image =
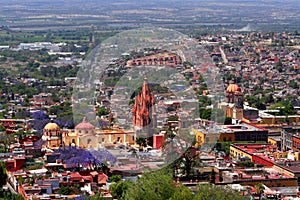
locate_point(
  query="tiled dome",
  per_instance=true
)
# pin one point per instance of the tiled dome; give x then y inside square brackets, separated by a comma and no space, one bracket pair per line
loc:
[84,125]
[233,87]
[51,127]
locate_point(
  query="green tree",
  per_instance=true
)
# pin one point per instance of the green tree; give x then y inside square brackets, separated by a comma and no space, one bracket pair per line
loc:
[188,159]
[115,178]
[204,101]
[65,190]
[142,141]
[246,164]
[256,102]
[288,109]
[2,128]
[118,189]
[102,111]
[173,118]
[5,195]
[131,102]
[224,146]
[259,189]
[269,98]
[182,193]
[284,107]
[3,175]
[157,185]
[228,120]
[205,113]
[208,192]
[97,196]
[279,66]
[293,84]
[21,180]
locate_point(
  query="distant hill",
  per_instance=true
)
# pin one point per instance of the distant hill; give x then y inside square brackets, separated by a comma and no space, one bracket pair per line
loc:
[234,14]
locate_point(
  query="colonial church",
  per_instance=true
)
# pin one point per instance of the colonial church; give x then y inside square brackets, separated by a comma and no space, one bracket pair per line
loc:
[144,113]
[234,104]
[85,135]
[52,135]
[143,110]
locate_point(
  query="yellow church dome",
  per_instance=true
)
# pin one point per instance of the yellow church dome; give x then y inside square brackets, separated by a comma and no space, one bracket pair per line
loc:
[233,87]
[51,126]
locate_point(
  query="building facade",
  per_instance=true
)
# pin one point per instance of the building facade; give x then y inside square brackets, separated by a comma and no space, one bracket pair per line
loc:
[232,133]
[234,99]
[143,108]
[287,134]
[87,136]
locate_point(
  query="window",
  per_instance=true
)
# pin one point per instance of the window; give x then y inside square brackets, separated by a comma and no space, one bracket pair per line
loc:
[43,191]
[207,139]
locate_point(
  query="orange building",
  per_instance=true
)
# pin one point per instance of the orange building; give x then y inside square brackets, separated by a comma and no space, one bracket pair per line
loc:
[296,142]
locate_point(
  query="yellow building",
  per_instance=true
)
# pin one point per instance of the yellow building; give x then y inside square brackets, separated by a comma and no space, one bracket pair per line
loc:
[203,137]
[236,151]
[87,136]
[231,133]
[272,119]
[275,140]
[280,182]
[117,136]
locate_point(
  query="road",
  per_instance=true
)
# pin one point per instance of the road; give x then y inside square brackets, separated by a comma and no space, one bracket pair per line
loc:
[223,56]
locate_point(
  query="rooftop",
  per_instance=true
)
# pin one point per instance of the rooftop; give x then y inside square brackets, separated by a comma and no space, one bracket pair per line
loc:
[255,174]
[256,148]
[292,166]
[240,127]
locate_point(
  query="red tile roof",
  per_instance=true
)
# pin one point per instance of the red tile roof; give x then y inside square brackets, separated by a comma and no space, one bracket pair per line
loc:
[102,178]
